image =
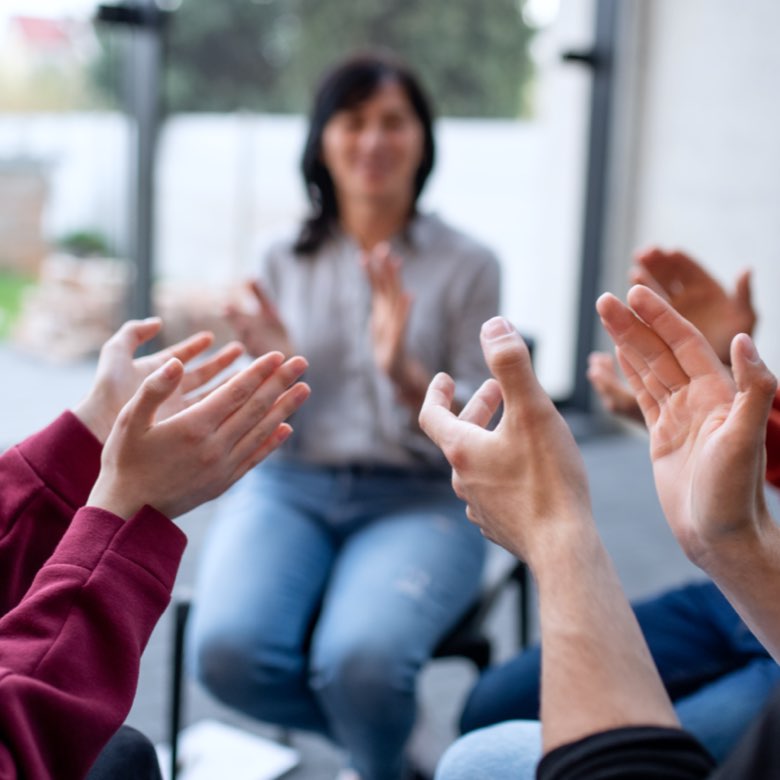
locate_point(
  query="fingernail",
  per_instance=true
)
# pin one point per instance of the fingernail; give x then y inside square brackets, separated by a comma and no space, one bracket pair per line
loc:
[496,327]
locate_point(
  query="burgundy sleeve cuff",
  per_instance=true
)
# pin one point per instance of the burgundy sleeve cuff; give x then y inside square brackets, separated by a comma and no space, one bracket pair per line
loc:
[148,539]
[66,456]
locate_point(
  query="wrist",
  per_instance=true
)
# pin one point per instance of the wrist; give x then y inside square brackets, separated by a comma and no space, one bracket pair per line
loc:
[561,542]
[107,494]
[739,551]
[96,414]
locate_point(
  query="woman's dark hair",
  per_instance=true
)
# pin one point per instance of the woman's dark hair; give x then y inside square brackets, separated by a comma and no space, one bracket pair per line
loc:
[347,85]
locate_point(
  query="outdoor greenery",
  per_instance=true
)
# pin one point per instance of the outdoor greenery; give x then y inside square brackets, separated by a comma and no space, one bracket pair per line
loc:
[86,243]
[266,55]
[12,287]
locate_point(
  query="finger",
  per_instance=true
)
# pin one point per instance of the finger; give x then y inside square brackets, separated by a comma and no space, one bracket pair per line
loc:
[756,387]
[276,439]
[231,396]
[640,275]
[251,426]
[436,418]
[742,293]
[508,359]
[206,371]
[140,411]
[483,404]
[133,333]
[647,403]
[674,269]
[188,348]
[691,350]
[641,345]
[267,305]
[265,396]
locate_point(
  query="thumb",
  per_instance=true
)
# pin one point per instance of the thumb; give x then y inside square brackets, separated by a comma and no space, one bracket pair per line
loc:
[508,359]
[756,386]
[155,389]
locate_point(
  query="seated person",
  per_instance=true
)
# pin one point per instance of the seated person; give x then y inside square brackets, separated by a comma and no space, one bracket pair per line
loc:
[605,711]
[716,672]
[88,552]
[355,518]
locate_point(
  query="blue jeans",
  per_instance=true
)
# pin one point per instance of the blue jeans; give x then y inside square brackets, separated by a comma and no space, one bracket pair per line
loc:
[507,751]
[322,592]
[716,672]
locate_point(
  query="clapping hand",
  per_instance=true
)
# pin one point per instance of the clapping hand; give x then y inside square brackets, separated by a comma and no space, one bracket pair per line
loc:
[257,323]
[119,374]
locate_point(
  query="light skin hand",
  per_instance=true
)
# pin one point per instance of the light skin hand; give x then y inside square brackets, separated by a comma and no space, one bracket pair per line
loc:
[706,427]
[256,322]
[524,479]
[707,434]
[119,375]
[698,296]
[390,307]
[181,462]
[526,488]
[615,395]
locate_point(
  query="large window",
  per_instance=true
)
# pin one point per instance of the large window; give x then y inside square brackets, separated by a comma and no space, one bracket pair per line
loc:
[236,87]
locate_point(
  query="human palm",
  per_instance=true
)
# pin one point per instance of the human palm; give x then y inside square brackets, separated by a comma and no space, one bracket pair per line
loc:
[390,307]
[706,428]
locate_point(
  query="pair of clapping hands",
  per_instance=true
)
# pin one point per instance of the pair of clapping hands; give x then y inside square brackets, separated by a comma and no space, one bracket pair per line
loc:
[257,323]
[170,442]
[525,482]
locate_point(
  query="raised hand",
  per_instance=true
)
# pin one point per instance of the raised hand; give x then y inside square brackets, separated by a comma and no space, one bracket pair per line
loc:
[178,463]
[524,480]
[698,296]
[615,395]
[119,375]
[706,428]
[390,307]
[257,324]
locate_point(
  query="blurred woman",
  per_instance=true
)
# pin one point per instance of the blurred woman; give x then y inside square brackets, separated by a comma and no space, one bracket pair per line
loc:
[332,572]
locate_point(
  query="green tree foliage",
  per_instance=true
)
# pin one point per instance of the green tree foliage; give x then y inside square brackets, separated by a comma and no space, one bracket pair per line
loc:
[266,55]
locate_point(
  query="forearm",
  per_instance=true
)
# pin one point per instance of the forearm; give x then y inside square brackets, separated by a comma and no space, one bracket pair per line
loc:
[70,651]
[597,673]
[45,479]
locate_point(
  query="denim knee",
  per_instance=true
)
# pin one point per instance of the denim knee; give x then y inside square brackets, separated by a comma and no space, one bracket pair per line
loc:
[508,751]
[369,681]
[242,674]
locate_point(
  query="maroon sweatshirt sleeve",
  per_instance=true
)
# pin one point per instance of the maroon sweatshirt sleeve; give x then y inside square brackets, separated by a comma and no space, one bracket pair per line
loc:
[70,651]
[43,481]
[773,443]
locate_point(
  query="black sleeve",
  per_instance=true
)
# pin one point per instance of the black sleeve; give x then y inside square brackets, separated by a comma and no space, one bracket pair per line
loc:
[757,754]
[639,753]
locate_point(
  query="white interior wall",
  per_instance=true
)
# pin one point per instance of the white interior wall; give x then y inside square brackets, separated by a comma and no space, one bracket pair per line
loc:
[696,160]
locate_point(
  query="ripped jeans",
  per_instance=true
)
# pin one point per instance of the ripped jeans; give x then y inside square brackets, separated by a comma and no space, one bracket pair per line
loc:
[321,594]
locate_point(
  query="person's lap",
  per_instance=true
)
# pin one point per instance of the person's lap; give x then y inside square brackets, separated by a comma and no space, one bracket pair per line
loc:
[383,592]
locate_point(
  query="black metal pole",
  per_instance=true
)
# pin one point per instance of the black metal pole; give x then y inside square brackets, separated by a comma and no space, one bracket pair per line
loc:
[601,59]
[143,60]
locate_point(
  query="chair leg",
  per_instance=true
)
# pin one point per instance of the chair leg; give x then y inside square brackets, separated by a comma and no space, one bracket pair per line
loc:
[181,612]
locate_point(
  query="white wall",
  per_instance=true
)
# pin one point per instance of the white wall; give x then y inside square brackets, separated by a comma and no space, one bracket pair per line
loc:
[701,104]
